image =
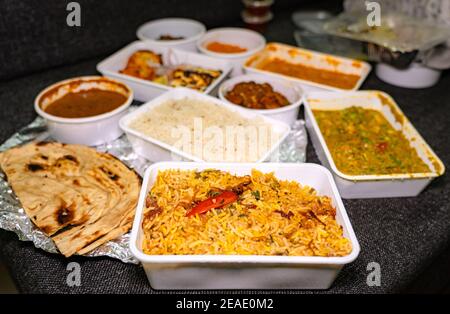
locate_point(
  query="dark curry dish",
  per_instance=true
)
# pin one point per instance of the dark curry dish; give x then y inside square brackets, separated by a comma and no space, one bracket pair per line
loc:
[256,96]
[85,103]
[147,65]
[362,142]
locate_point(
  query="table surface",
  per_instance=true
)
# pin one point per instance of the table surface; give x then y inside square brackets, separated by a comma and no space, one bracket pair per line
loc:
[403,235]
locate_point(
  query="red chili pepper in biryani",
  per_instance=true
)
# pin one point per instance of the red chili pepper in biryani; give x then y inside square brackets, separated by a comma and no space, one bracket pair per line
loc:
[218,201]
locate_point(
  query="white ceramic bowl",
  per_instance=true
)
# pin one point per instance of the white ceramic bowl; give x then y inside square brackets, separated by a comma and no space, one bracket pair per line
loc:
[241,37]
[93,130]
[191,30]
[245,271]
[291,91]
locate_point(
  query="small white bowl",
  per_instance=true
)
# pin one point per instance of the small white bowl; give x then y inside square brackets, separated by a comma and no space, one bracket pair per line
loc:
[191,30]
[241,37]
[90,131]
[292,92]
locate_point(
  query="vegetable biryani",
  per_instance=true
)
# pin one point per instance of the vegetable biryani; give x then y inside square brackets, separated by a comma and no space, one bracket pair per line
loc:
[214,212]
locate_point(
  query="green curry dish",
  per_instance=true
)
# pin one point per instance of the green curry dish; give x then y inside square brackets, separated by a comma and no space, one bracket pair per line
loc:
[362,142]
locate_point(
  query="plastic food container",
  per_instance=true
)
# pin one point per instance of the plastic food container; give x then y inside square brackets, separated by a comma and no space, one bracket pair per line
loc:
[292,92]
[241,37]
[372,186]
[245,271]
[145,90]
[156,150]
[307,58]
[190,30]
[415,75]
[93,130]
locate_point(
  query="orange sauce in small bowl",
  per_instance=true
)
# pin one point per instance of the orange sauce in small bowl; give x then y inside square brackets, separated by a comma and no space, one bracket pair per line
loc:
[217,46]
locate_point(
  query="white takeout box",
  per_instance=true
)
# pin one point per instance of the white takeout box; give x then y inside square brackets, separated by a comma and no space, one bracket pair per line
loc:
[156,150]
[145,90]
[371,186]
[308,58]
[245,271]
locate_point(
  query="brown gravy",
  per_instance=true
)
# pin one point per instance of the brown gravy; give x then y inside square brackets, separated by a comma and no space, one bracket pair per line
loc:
[86,103]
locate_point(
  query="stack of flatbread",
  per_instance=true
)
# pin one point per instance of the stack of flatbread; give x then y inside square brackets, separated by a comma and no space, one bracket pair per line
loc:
[79,197]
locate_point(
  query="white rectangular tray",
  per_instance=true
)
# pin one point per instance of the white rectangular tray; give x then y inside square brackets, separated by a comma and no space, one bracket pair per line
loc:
[245,271]
[308,58]
[371,186]
[145,90]
[155,150]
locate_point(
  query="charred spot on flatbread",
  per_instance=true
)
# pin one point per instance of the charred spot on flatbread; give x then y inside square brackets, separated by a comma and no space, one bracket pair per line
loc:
[43,143]
[33,167]
[110,174]
[64,215]
[71,158]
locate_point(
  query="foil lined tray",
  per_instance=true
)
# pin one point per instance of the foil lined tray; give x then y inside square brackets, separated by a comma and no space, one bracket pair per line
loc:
[13,217]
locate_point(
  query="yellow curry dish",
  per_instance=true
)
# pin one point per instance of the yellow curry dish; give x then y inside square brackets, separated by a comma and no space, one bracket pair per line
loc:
[362,142]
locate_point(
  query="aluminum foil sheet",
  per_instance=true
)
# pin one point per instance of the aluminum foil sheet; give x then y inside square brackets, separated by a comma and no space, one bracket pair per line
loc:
[13,217]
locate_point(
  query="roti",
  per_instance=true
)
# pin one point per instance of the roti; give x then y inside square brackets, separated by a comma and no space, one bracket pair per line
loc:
[79,197]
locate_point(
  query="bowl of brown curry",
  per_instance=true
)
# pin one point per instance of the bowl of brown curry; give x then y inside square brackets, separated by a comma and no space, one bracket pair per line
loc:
[84,110]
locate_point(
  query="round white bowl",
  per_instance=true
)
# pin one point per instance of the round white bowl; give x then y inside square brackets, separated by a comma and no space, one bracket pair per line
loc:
[293,93]
[90,131]
[191,30]
[241,37]
[414,76]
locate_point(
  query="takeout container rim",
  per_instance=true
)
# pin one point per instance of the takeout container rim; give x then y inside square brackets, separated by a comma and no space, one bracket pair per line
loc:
[226,68]
[365,65]
[241,259]
[99,117]
[230,83]
[244,54]
[371,177]
[175,42]
[192,93]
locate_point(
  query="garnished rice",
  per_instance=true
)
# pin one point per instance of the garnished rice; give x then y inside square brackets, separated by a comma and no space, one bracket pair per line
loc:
[270,217]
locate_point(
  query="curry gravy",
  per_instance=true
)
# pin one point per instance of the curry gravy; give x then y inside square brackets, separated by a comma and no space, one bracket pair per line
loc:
[86,103]
[321,76]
